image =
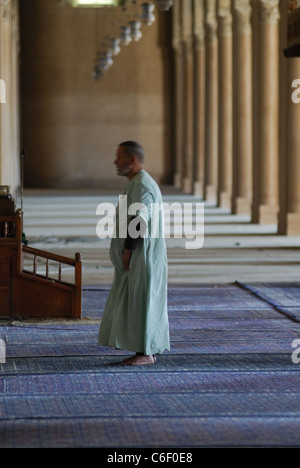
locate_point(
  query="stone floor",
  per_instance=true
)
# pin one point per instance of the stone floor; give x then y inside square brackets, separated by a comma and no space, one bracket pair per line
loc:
[234,249]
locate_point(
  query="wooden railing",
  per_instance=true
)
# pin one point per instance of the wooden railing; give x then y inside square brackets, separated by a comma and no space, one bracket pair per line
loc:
[35,293]
[60,260]
[10,227]
[59,288]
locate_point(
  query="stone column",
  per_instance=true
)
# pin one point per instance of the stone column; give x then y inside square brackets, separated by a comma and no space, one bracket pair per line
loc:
[225,104]
[188,97]
[293,161]
[15,104]
[289,219]
[9,120]
[242,108]
[178,68]
[6,109]
[2,105]
[289,214]
[211,103]
[266,131]
[199,98]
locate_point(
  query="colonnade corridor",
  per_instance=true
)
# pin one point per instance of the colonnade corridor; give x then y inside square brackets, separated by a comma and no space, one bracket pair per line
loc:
[234,249]
[231,376]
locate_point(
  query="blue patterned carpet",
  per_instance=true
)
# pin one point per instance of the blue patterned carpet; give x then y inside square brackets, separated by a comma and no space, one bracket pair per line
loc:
[228,381]
[285,297]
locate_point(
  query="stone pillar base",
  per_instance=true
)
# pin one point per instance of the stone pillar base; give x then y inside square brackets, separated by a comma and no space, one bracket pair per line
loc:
[187,185]
[224,200]
[177,181]
[266,214]
[198,189]
[293,224]
[241,206]
[211,194]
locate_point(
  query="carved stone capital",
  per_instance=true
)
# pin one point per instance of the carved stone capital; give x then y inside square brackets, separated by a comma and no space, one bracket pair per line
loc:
[199,40]
[269,11]
[293,5]
[8,7]
[187,46]
[10,17]
[211,23]
[242,13]
[225,21]
[211,26]
[199,23]
[177,45]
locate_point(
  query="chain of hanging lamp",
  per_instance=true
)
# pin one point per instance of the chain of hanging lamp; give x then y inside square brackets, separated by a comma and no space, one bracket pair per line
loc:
[121,26]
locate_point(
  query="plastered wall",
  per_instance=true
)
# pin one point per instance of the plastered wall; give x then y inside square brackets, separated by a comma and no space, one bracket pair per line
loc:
[70,124]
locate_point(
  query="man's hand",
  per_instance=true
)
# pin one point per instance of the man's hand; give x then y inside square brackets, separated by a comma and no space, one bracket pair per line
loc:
[126,259]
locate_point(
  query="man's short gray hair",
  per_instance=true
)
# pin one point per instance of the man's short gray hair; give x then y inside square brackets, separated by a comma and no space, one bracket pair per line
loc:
[132,148]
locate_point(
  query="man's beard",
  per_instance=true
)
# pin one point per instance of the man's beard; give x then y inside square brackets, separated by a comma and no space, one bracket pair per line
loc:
[124,172]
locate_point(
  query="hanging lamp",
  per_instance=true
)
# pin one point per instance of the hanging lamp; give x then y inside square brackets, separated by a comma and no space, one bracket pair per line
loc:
[105,60]
[147,16]
[125,37]
[135,32]
[97,73]
[115,46]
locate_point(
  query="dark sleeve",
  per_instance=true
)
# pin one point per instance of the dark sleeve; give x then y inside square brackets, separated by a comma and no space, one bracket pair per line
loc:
[131,243]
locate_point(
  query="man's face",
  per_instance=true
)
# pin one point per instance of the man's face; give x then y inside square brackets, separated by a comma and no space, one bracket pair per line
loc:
[122,162]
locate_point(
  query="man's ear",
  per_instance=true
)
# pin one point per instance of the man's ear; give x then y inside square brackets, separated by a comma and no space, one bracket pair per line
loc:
[132,160]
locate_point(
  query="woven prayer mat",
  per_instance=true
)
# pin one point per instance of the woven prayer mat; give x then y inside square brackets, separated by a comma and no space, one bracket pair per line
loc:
[283,296]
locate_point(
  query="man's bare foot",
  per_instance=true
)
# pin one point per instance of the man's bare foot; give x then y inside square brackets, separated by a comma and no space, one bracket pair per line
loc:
[139,360]
[130,357]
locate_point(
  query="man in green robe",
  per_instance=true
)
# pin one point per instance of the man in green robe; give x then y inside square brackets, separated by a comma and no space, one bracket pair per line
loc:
[136,317]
